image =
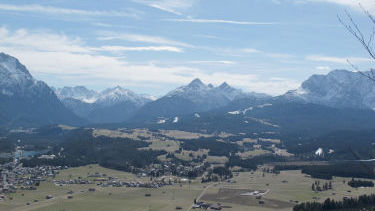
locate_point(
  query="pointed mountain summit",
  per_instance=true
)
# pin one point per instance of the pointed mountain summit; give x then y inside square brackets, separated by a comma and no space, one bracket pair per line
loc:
[27,102]
[13,73]
[196,83]
[225,85]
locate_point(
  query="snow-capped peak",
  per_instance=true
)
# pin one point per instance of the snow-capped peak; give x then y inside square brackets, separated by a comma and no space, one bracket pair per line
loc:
[225,86]
[107,97]
[339,88]
[12,72]
[196,83]
[118,95]
[193,90]
[77,92]
[197,89]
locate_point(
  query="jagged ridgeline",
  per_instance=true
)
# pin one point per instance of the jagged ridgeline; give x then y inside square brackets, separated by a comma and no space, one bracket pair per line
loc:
[341,100]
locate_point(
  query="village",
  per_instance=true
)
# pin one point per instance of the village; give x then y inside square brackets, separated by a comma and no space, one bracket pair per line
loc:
[15,177]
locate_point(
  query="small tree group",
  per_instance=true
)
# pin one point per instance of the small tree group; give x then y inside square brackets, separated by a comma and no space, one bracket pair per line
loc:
[317,188]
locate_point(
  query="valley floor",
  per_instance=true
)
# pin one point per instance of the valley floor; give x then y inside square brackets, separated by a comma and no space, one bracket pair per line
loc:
[279,192]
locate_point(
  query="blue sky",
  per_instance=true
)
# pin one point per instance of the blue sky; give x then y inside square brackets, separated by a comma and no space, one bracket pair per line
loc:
[152,47]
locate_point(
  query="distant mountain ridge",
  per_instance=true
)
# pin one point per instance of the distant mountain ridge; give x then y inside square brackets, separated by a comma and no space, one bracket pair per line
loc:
[111,105]
[194,97]
[339,100]
[26,101]
[78,92]
[338,89]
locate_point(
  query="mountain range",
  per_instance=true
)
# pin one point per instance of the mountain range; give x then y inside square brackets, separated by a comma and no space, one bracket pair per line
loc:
[340,99]
[111,105]
[192,98]
[338,89]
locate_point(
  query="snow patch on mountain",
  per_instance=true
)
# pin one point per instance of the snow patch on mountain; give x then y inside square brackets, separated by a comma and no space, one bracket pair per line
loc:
[175,120]
[78,92]
[162,121]
[244,111]
[319,152]
[13,74]
[118,94]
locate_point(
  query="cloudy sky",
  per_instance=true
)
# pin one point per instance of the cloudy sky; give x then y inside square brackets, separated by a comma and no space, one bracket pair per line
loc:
[153,46]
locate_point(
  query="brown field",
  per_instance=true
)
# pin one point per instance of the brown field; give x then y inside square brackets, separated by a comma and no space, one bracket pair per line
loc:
[253,153]
[234,196]
[178,134]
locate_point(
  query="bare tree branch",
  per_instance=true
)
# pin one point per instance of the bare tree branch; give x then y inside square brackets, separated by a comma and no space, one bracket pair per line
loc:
[368,43]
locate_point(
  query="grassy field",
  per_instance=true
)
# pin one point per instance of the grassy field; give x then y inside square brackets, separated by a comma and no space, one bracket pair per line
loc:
[167,145]
[178,134]
[281,192]
[288,187]
[103,199]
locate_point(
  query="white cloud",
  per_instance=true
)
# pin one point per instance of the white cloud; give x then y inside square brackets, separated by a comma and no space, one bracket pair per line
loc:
[279,55]
[250,50]
[171,6]
[367,4]
[35,8]
[49,42]
[142,38]
[323,68]
[40,41]
[192,20]
[338,60]
[213,62]
[61,60]
[208,36]
[139,48]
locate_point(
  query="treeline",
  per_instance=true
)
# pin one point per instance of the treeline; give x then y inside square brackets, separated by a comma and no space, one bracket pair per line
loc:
[360,183]
[216,148]
[364,201]
[217,174]
[338,169]
[212,122]
[252,163]
[117,153]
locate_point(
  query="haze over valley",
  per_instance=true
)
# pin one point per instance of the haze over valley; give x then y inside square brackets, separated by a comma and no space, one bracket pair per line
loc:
[187,104]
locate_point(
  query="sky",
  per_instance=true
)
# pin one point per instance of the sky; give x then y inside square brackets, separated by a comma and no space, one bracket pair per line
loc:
[154,46]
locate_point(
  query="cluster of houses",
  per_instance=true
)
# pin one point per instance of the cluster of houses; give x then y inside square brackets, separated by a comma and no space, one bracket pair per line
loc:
[170,168]
[152,184]
[107,181]
[14,176]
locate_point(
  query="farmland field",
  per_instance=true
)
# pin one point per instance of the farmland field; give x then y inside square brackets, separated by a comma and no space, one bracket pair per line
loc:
[277,191]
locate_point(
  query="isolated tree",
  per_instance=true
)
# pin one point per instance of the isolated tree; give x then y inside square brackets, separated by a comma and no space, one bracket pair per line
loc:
[367,41]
